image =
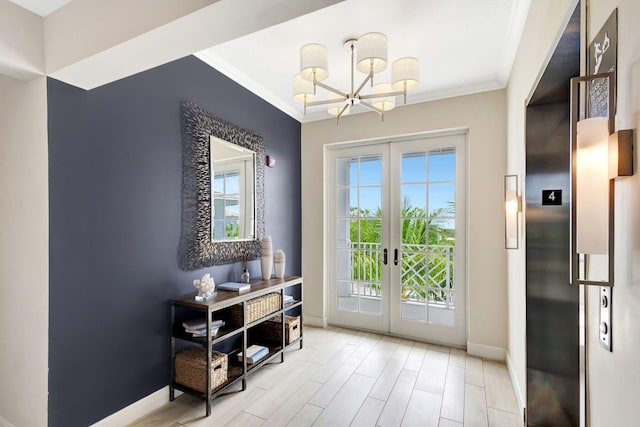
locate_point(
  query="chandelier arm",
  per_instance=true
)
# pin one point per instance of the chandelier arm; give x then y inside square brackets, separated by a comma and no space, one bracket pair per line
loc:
[382,95]
[332,89]
[342,111]
[369,77]
[352,65]
[371,107]
[324,102]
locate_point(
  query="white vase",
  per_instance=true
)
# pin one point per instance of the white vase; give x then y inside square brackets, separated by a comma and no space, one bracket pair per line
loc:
[279,263]
[266,258]
[267,265]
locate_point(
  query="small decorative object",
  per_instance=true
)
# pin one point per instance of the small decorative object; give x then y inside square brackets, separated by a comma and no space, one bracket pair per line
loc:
[245,277]
[279,261]
[267,258]
[206,288]
[235,287]
[271,162]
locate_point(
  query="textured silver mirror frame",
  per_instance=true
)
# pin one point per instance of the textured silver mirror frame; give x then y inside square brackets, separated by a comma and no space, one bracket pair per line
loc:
[196,249]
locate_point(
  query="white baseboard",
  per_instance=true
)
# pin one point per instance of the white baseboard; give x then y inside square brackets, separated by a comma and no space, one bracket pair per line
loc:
[320,322]
[136,410]
[155,400]
[5,423]
[516,385]
[485,351]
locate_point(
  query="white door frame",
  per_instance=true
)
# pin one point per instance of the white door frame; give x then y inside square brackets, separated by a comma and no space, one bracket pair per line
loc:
[329,222]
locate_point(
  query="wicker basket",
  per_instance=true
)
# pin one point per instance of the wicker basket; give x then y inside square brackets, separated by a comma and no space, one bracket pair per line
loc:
[191,365]
[271,329]
[257,308]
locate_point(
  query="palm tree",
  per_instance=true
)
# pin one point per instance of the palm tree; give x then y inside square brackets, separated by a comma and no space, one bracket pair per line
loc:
[421,266]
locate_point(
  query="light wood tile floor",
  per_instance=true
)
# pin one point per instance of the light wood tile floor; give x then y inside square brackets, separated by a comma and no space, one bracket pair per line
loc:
[343,377]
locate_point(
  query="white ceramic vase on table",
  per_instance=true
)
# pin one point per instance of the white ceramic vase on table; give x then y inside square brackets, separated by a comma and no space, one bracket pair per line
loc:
[279,262]
[266,260]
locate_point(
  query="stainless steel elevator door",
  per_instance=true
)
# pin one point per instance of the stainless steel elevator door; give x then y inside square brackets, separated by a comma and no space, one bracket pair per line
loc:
[553,330]
[553,382]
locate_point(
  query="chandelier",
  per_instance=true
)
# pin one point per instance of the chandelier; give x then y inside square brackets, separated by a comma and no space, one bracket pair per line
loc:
[369,56]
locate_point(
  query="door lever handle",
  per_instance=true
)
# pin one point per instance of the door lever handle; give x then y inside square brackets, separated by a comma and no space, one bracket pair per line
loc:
[395,256]
[385,255]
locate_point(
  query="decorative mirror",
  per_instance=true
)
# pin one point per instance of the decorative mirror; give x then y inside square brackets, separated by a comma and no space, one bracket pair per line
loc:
[222,191]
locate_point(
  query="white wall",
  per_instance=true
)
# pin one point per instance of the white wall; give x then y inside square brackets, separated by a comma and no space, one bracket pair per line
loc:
[484,115]
[21,42]
[24,252]
[543,28]
[615,377]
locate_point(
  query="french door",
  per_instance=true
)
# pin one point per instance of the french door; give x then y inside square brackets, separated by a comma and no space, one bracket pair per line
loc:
[396,235]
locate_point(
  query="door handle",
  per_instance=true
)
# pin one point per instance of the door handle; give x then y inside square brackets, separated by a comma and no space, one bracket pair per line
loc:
[385,255]
[395,256]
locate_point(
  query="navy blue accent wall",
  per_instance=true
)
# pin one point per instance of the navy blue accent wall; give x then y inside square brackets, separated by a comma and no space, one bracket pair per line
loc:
[115,177]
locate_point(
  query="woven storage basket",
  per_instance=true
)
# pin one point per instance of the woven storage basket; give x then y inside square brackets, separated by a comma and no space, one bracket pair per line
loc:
[257,308]
[271,329]
[191,365]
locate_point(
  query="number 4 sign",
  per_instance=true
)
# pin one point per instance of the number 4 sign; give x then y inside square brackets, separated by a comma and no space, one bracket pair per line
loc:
[552,197]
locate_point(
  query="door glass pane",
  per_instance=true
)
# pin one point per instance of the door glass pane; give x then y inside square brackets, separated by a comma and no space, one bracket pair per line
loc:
[414,167]
[346,202]
[370,201]
[346,288]
[344,265]
[414,233]
[346,172]
[428,236]
[442,199]
[370,171]
[442,165]
[343,238]
[370,230]
[359,265]
[414,200]
[441,309]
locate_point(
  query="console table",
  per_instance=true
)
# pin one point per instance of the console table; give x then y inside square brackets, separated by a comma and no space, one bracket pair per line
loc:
[239,331]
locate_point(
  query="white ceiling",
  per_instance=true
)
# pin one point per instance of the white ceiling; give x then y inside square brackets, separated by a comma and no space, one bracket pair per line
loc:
[464,46]
[41,7]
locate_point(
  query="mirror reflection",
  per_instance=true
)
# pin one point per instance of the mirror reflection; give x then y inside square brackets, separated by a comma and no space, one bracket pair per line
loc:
[233,191]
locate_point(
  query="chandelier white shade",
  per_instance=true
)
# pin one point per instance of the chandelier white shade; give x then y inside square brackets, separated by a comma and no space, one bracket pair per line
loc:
[314,62]
[372,52]
[339,108]
[303,89]
[405,74]
[369,56]
[386,103]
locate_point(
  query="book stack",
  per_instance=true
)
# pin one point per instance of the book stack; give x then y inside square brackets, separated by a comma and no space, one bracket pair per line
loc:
[288,299]
[198,327]
[235,287]
[254,353]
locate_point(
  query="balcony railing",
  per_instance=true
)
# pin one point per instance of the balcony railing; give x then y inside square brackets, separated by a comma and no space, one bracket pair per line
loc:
[427,273]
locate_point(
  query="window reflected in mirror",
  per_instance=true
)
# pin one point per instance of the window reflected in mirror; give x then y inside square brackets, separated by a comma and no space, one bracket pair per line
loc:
[233,191]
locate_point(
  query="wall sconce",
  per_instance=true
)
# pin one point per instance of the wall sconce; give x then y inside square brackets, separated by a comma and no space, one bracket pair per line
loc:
[599,155]
[512,208]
